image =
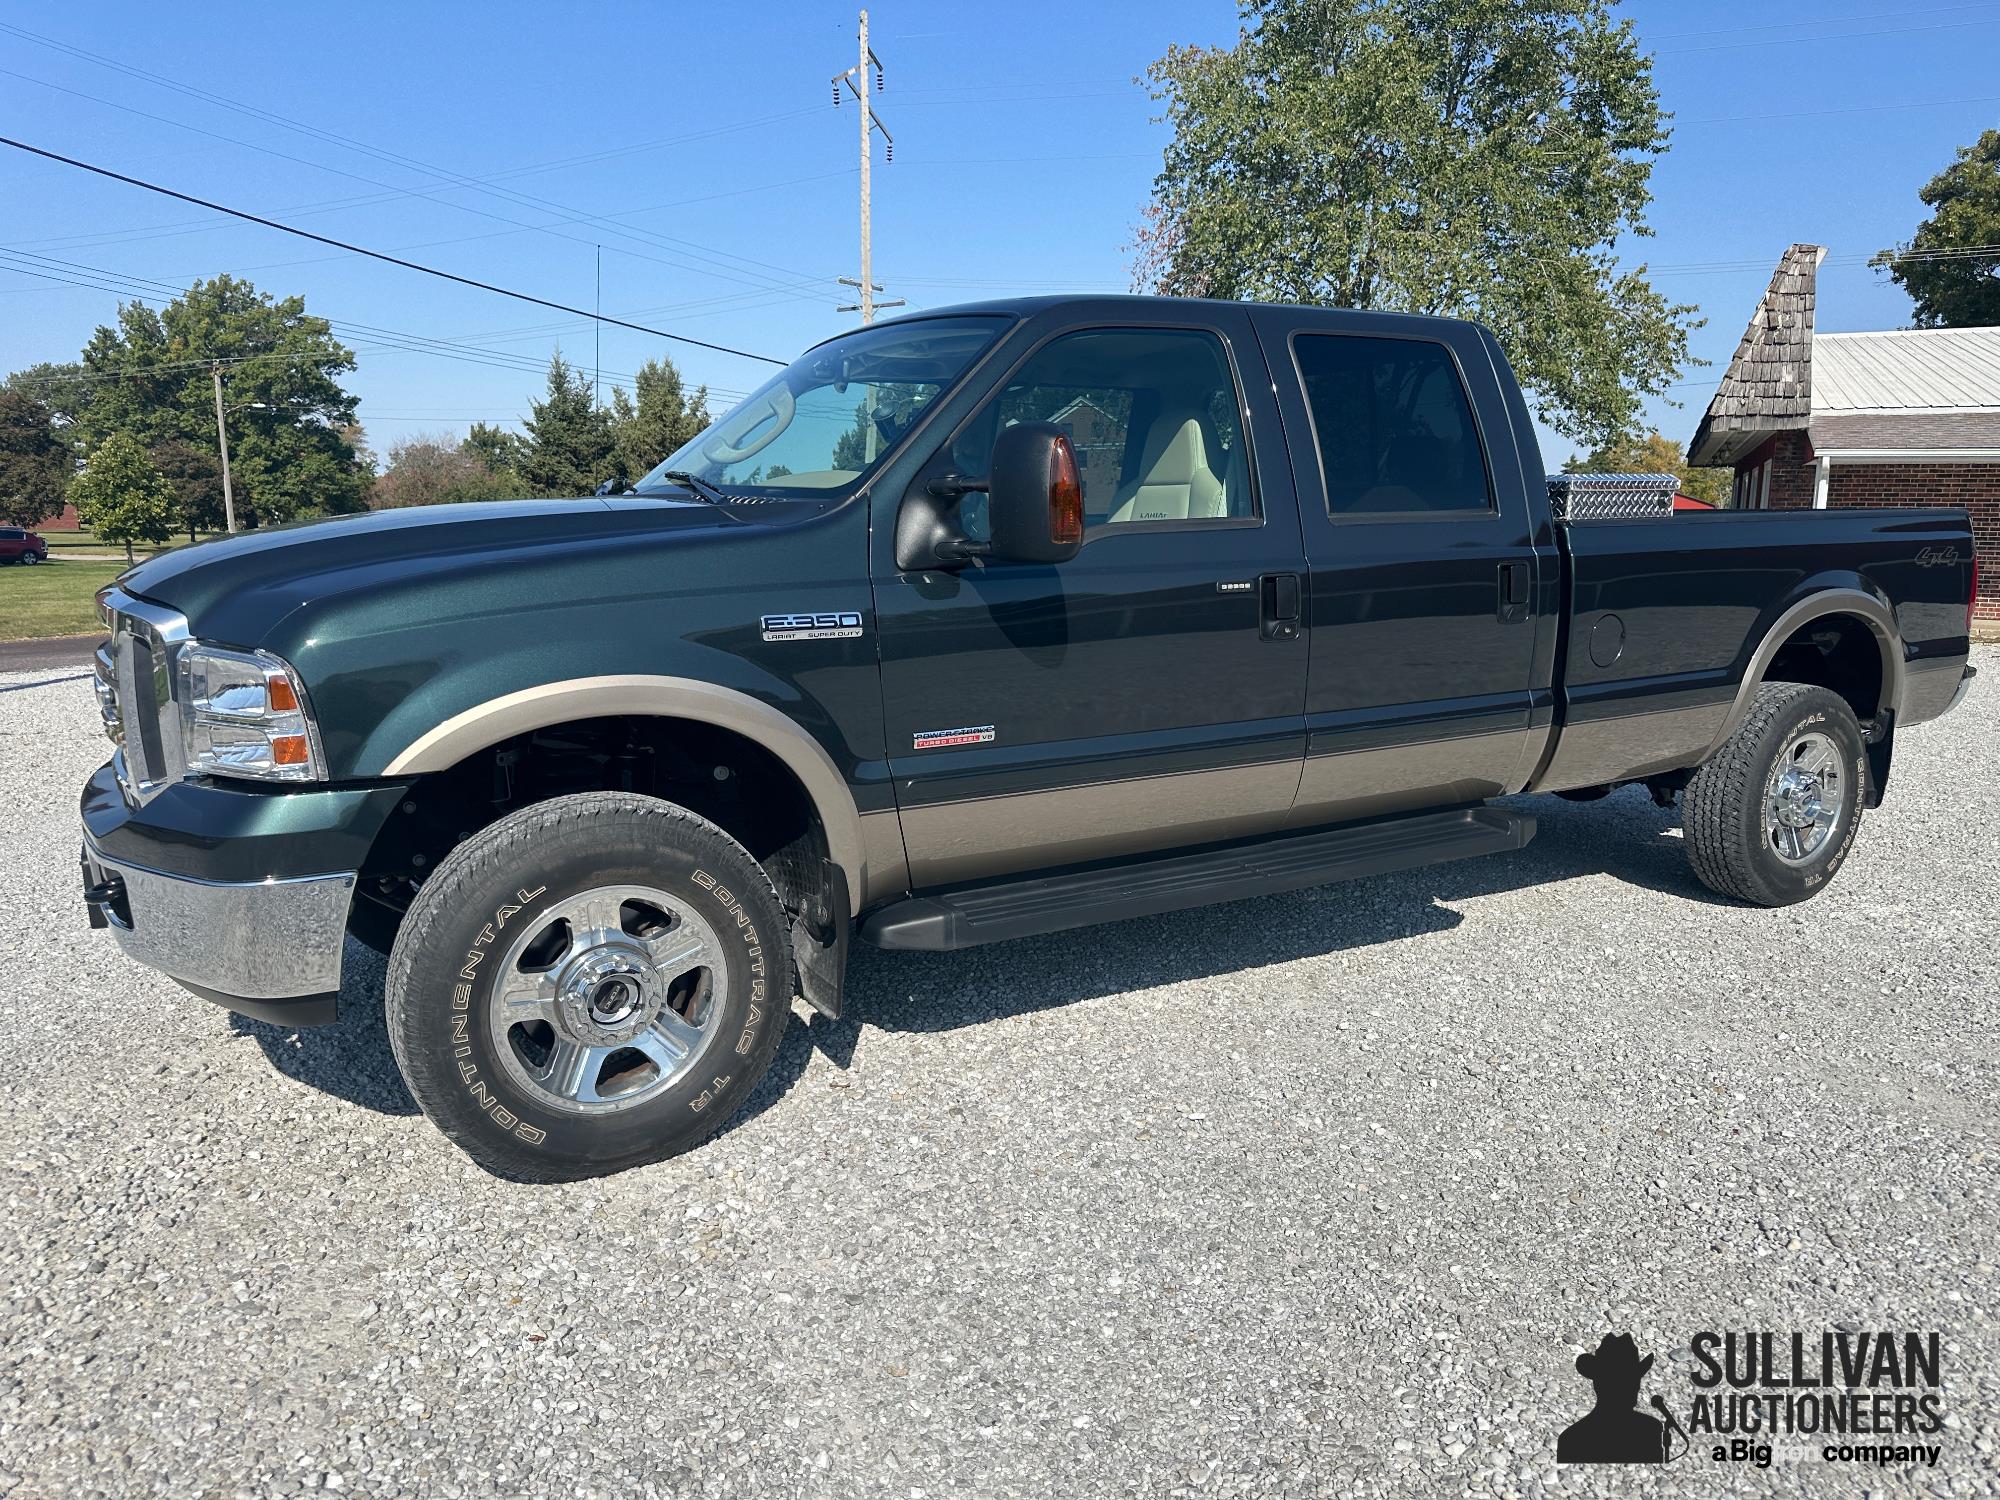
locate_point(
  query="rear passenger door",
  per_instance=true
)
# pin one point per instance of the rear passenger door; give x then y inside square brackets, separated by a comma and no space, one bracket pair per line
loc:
[1424,568]
[1135,697]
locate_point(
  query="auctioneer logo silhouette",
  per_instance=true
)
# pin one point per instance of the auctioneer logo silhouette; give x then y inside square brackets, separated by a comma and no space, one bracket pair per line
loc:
[1614,1431]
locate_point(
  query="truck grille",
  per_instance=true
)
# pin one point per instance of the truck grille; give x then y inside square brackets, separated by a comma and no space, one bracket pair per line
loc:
[134,684]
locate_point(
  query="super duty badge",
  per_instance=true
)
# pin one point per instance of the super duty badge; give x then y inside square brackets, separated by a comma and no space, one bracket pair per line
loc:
[828,625]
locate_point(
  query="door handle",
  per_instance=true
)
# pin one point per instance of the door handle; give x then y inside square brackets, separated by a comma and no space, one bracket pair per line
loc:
[1513,603]
[1278,594]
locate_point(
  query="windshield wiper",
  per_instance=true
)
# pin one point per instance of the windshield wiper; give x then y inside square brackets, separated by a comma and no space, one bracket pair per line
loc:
[701,489]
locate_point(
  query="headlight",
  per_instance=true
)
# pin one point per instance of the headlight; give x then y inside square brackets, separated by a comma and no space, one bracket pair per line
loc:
[243,713]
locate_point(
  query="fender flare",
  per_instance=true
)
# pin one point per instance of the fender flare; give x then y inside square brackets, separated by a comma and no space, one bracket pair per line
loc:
[1834,601]
[486,724]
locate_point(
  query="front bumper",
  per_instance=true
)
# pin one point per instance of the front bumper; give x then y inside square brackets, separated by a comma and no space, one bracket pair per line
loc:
[241,894]
[269,949]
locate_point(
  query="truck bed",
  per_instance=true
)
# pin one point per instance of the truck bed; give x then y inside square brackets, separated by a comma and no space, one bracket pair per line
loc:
[1661,618]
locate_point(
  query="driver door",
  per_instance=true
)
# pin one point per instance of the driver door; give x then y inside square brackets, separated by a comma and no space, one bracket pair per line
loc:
[1139,696]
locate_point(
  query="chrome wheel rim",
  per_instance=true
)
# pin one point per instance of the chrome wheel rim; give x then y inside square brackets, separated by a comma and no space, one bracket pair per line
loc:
[1804,797]
[608,999]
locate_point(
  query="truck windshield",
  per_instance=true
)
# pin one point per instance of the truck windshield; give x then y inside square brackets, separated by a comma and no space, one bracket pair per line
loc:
[817,429]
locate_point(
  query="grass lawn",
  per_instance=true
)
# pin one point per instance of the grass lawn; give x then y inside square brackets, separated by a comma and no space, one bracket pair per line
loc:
[57,598]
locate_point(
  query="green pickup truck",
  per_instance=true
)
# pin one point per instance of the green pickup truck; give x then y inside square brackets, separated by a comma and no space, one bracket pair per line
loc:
[966,626]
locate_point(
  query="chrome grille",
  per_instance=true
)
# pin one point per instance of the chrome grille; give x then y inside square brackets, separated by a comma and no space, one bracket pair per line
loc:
[135,691]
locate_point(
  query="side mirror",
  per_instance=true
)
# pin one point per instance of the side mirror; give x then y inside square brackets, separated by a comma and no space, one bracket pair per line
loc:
[1034,497]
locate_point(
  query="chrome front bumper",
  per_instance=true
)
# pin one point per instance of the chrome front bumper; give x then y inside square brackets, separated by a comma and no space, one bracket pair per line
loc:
[270,948]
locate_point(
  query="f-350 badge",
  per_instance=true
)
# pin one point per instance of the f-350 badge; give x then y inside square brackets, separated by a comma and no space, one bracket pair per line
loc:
[827,625]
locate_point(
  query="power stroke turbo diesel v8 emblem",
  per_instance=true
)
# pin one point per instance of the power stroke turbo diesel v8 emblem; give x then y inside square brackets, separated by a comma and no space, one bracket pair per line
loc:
[827,625]
[938,739]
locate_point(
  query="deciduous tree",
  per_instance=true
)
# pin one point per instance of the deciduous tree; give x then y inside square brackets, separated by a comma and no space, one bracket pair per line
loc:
[1472,158]
[122,497]
[1655,453]
[433,470]
[1950,267]
[35,462]
[290,429]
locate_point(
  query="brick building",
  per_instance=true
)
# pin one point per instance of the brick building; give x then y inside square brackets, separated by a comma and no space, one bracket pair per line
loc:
[1907,417]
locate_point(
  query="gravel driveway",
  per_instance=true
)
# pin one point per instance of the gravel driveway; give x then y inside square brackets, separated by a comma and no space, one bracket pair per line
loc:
[1308,1195]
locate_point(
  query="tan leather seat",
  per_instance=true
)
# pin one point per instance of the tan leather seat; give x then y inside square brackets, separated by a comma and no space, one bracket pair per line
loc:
[1174,482]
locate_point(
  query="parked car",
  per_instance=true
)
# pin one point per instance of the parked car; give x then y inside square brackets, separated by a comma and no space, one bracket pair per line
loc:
[21,546]
[965,626]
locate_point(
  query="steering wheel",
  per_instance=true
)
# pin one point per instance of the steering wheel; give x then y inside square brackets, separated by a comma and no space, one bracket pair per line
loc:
[775,407]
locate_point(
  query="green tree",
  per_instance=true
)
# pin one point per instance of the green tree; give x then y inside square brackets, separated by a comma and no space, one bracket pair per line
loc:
[195,472]
[1471,158]
[499,450]
[35,462]
[426,470]
[1950,267]
[291,423]
[122,497]
[65,389]
[663,419]
[571,448]
[1655,453]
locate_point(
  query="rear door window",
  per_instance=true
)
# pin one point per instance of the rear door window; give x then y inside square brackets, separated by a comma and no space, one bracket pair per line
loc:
[1393,427]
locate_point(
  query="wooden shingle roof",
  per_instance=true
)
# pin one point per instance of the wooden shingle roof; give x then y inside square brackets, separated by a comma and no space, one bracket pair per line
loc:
[1768,386]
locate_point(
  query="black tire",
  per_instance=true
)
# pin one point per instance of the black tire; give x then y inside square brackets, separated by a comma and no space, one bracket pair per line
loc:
[33,557]
[1724,812]
[493,889]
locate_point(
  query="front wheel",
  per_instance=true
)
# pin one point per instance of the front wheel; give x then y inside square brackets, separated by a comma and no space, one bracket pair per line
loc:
[1771,817]
[592,983]
[31,558]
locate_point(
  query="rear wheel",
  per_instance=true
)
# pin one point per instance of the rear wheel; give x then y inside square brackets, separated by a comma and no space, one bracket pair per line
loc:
[590,984]
[1770,818]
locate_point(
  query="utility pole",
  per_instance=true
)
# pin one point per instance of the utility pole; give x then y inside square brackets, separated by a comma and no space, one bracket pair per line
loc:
[222,438]
[597,328]
[856,78]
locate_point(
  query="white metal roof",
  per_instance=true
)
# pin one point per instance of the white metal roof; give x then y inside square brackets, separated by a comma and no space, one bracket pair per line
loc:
[1910,369]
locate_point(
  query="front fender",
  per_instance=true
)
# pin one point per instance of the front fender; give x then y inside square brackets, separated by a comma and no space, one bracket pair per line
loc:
[487,724]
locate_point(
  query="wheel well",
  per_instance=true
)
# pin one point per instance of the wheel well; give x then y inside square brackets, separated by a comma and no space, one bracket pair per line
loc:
[727,777]
[1837,652]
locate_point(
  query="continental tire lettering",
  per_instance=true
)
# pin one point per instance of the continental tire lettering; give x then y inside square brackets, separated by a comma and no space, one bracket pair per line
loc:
[709,1094]
[746,1040]
[461,1004]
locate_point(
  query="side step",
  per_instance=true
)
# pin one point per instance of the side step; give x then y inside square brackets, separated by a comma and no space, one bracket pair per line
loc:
[1142,887]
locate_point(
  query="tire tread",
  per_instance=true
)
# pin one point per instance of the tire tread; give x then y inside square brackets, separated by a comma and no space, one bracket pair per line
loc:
[1727,789]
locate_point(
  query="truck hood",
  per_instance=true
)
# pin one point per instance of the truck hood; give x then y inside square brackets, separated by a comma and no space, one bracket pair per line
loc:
[234,589]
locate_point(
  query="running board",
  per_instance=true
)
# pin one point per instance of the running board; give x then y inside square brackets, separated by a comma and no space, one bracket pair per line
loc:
[1143,887]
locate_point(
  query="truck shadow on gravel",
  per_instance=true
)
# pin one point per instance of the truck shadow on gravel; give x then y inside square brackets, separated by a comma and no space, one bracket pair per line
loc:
[1624,836]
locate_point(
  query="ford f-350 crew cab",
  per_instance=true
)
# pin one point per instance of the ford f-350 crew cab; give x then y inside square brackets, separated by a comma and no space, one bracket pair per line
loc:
[965,626]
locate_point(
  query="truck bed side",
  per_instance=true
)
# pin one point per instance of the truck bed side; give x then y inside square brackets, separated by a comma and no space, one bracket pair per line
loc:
[1664,620]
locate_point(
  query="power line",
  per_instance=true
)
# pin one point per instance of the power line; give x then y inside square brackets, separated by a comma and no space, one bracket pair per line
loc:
[394,260]
[445,174]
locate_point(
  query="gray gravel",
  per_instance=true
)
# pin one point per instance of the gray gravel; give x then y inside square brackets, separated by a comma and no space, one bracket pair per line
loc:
[1309,1195]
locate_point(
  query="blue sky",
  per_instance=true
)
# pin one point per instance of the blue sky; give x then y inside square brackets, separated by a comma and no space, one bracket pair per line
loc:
[706,137]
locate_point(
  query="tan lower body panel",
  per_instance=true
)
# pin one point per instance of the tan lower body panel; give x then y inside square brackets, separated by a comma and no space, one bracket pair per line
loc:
[1595,751]
[1398,778]
[976,840]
